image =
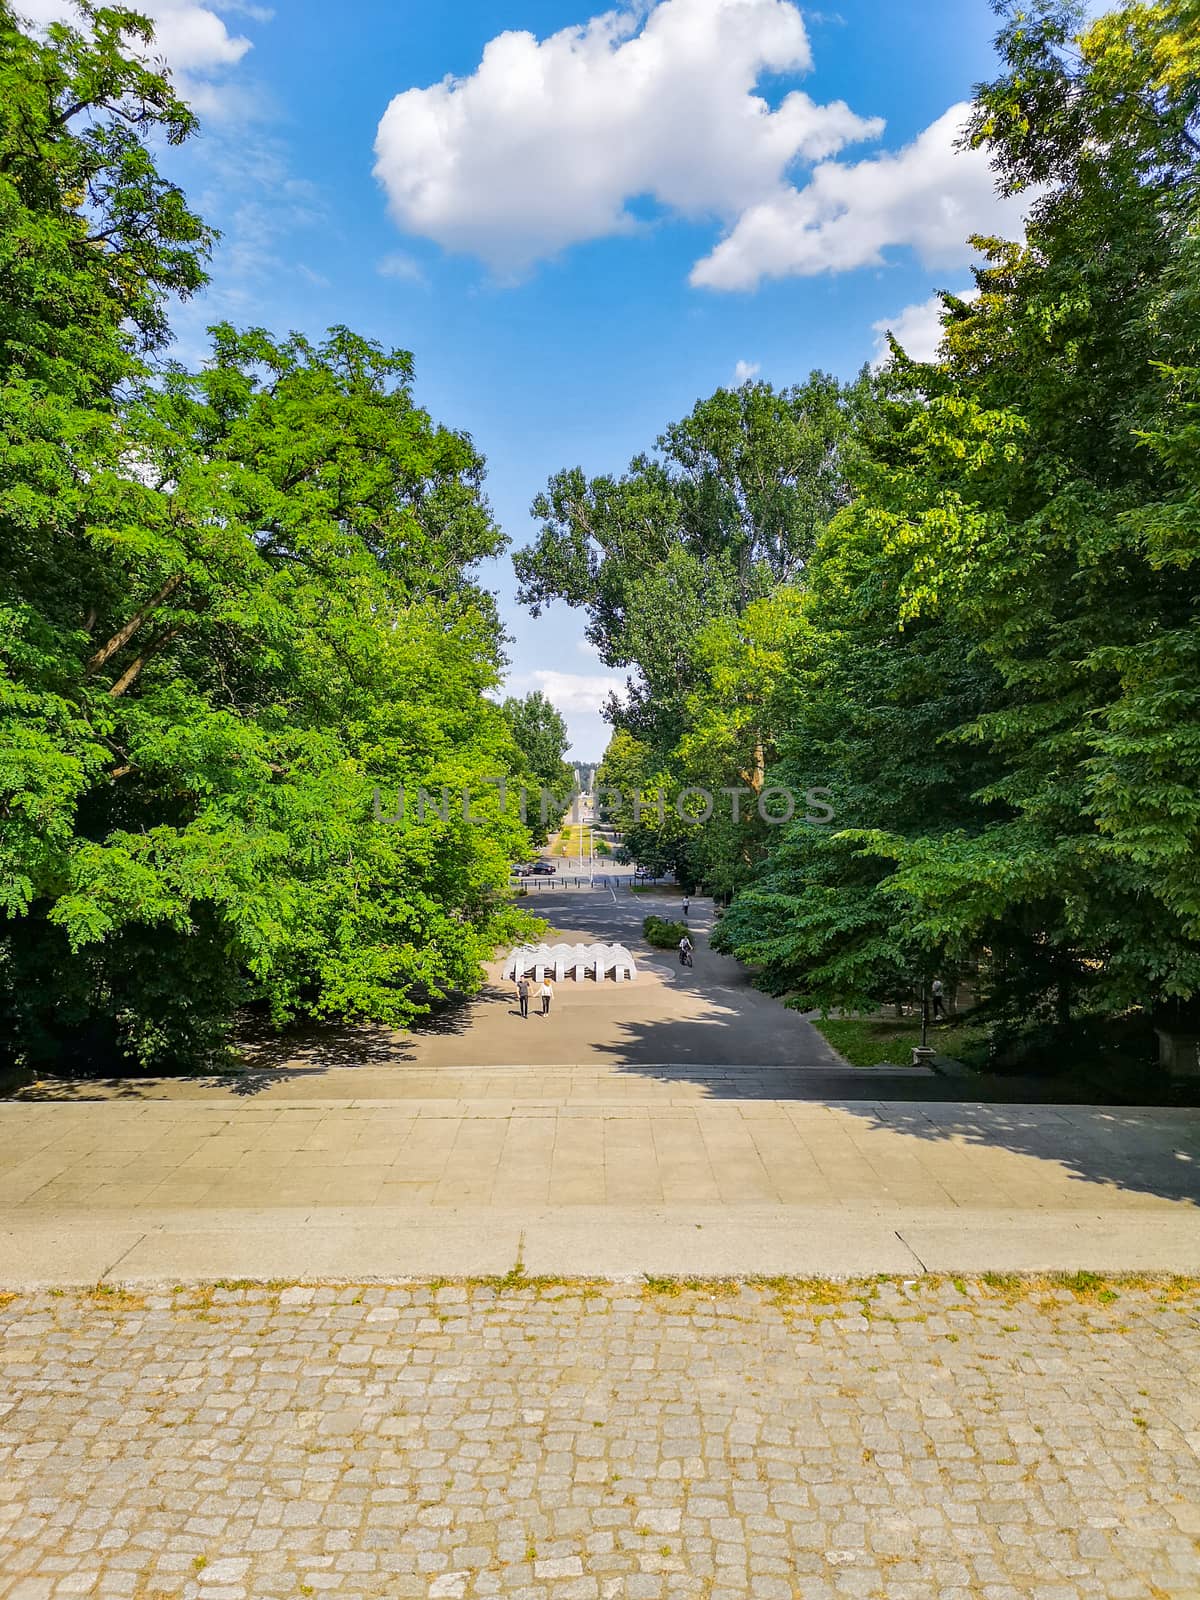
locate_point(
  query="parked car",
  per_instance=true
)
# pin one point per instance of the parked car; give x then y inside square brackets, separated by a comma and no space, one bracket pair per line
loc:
[522,871]
[542,868]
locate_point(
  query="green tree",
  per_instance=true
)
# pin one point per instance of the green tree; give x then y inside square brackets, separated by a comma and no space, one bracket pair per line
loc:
[1021,550]
[237,606]
[727,510]
[676,564]
[735,715]
[540,735]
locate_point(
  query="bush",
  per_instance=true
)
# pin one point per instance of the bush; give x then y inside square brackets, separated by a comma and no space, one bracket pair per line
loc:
[602,848]
[661,934]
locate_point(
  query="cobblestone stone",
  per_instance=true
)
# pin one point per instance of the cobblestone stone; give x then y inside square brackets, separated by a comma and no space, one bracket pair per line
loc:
[784,1442]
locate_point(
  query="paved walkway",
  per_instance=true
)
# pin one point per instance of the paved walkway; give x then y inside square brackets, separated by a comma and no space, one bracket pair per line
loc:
[700,1019]
[922,1442]
[148,1190]
[445,1153]
[450,1152]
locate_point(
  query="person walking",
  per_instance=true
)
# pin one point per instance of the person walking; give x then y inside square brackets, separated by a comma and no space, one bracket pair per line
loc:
[687,906]
[523,987]
[547,994]
[936,995]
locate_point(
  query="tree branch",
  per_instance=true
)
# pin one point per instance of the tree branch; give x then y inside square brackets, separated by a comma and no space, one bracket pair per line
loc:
[123,635]
[134,669]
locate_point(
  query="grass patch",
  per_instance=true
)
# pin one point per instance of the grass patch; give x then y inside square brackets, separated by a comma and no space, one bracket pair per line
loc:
[573,838]
[1091,1288]
[111,1294]
[1088,1288]
[869,1041]
[815,1291]
[669,1287]
[1097,1060]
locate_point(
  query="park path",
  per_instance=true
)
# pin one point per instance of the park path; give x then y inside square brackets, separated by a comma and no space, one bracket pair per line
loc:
[681,1123]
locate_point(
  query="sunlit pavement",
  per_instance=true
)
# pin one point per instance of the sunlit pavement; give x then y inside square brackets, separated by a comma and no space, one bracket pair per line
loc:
[683,1122]
[422,1398]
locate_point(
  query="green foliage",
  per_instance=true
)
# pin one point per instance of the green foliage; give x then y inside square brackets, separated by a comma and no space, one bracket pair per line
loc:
[542,741]
[727,509]
[663,935]
[638,797]
[996,674]
[234,607]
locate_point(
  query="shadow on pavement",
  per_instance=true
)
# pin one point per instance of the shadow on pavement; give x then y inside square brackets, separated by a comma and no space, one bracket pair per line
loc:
[1151,1150]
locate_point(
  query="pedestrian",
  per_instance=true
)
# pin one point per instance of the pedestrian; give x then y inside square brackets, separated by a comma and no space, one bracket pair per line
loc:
[547,993]
[523,994]
[936,996]
[687,906]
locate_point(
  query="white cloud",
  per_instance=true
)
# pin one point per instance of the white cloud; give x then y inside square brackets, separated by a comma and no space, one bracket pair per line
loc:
[569,691]
[580,696]
[928,195]
[548,142]
[744,371]
[918,329]
[190,38]
[246,8]
[402,266]
[551,142]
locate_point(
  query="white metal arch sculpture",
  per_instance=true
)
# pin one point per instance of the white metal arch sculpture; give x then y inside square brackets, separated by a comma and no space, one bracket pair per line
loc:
[577,959]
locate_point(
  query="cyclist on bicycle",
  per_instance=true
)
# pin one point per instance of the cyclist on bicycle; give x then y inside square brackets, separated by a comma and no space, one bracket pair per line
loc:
[685,951]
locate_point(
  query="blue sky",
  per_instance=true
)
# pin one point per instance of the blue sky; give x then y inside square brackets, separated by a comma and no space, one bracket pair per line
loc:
[586,235]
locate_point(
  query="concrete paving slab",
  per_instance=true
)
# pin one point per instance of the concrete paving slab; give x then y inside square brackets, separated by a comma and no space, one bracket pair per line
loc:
[363,1249]
[290,1242]
[1023,1241]
[710,1242]
[60,1255]
[588,1240]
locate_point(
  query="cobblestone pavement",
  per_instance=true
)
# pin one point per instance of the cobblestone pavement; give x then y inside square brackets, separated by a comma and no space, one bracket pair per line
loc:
[936,1439]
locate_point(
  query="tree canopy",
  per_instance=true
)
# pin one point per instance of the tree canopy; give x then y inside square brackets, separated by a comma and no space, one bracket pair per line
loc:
[541,737]
[1007,608]
[237,604]
[988,650]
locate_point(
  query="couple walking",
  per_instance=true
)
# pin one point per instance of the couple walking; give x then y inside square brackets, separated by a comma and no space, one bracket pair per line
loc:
[526,986]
